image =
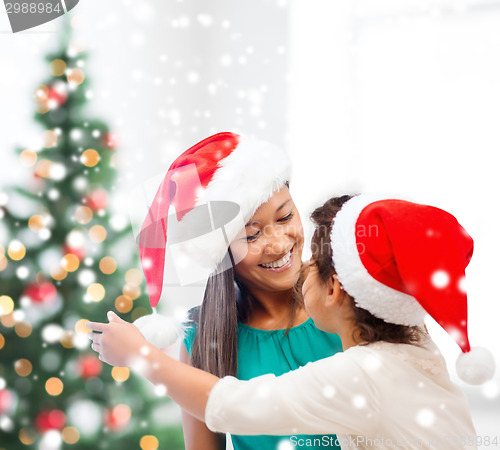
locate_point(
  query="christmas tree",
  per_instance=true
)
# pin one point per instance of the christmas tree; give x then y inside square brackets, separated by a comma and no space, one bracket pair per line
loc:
[65,258]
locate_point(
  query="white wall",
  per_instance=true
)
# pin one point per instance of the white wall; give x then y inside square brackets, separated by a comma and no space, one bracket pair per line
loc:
[404,96]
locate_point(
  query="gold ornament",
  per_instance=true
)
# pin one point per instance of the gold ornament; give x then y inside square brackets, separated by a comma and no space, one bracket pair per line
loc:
[23,329]
[149,442]
[83,215]
[3,262]
[43,167]
[58,272]
[97,233]
[27,436]
[54,386]
[36,222]
[16,251]
[28,158]
[6,305]
[132,291]
[123,304]
[75,76]
[70,435]
[107,265]
[70,262]
[67,339]
[58,67]
[90,157]
[8,320]
[133,277]
[96,292]
[120,374]
[23,367]
[49,139]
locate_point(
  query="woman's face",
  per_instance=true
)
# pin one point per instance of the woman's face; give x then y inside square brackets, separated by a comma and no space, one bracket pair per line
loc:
[273,240]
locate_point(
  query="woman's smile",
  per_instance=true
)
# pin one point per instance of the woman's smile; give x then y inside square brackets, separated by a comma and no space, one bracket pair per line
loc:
[281,264]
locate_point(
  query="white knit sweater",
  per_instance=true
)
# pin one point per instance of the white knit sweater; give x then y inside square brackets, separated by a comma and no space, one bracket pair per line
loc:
[380,396]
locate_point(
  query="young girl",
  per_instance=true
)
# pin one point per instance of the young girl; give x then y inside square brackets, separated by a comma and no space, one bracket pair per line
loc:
[252,320]
[378,266]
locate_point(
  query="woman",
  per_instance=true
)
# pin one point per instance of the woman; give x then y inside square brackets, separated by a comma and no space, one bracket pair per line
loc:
[378,266]
[252,320]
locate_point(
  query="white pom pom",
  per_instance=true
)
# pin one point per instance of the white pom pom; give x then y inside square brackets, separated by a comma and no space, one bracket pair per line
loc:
[476,366]
[159,330]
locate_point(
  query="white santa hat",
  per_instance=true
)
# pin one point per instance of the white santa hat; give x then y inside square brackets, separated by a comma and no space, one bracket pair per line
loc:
[401,260]
[223,169]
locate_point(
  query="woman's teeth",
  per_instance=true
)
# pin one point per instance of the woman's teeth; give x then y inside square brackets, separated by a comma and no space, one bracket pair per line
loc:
[280,263]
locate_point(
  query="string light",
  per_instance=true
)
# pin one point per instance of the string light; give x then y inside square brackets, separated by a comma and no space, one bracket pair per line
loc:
[6,305]
[70,435]
[23,329]
[49,139]
[90,157]
[83,215]
[28,158]
[149,442]
[97,233]
[58,67]
[133,277]
[54,386]
[16,251]
[120,374]
[70,262]
[96,292]
[23,367]
[107,265]
[124,304]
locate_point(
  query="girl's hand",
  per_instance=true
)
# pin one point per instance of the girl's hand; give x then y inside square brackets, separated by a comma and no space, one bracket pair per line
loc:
[119,342]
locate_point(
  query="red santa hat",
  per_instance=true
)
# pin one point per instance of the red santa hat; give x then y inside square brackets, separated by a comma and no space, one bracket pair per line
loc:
[401,260]
[222,168]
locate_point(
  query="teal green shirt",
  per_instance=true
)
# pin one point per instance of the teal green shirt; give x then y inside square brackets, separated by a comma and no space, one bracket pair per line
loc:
[261,352]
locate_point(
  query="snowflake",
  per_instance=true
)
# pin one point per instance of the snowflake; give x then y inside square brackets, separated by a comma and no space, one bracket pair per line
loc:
[425,417]
[440,279]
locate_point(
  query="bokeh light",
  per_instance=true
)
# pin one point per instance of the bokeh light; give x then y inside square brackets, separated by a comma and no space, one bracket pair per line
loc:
[107,265]
[16,251]
[124,303]
[149,442]
[70,262]
[23,367]
[120,374]
[90,157]
[97,233]
[54,386]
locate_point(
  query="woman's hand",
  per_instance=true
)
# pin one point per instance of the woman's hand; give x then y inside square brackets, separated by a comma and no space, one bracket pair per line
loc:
[119,342]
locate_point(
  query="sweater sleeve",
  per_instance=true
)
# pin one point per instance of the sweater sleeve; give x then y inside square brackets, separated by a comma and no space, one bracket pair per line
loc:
[333,395]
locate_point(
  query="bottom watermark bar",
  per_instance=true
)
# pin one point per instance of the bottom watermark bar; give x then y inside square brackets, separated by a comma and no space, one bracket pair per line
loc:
[438,442]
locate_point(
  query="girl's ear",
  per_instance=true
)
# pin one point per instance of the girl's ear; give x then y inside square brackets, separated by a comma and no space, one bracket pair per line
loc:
[335,293]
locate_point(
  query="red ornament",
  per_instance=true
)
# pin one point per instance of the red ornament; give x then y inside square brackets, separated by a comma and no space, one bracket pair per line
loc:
[58,94]
[109,140]
[89,366]
[44,292]
[117,418]
[78,251]
[47,419]
[6,399]
[98,199]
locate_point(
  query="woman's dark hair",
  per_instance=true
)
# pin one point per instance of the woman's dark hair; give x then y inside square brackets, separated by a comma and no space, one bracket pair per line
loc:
[371,328]
[215,347]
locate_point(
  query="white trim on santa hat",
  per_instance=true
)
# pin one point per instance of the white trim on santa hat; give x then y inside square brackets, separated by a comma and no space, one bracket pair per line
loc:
[249,176]
[382,301]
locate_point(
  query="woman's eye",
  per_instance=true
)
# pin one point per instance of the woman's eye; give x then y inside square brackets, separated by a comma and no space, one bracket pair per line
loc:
[286,218]
[253,237]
